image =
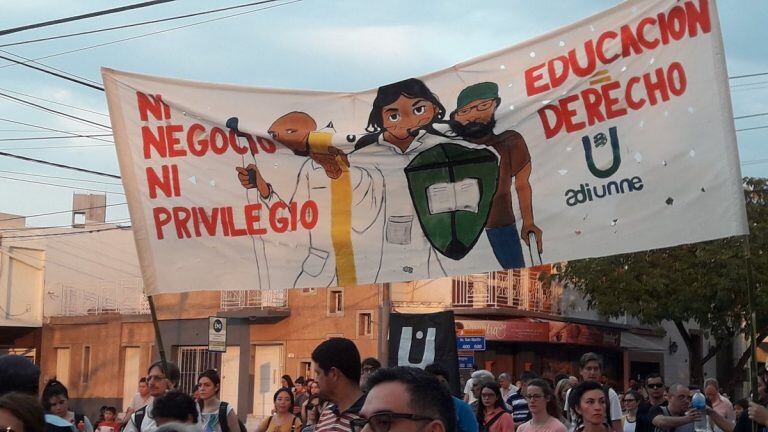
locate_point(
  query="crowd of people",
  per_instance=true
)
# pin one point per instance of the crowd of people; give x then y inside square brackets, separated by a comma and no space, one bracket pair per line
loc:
[350,395]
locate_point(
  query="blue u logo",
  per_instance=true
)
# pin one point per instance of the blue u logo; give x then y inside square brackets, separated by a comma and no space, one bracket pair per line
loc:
[611,170]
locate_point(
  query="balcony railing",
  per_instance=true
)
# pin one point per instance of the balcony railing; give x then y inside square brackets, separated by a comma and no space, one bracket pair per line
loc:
[124,297]
[253,299]
[518,289]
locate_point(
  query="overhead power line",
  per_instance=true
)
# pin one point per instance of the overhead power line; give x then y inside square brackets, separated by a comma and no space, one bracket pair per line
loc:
[53,138]
[64,233]
[156,32]
[53,111]
[54,102]
[751,128]
[61,212]
[60,178]
[62,147]
[135,24]
[748,75]
[55,130]
[27,229]
[83,16]
[28,60]
[58,165]
[750,116]
[60,185]
[26,64]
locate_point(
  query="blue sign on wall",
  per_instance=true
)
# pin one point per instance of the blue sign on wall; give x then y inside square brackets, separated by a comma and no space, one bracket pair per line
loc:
[466,362]
[470,343]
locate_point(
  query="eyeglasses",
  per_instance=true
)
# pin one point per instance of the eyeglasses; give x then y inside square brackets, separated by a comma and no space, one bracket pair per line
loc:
[655,385]
[482,106]
[381,422]
[534,397]
[369,369]
[6,429]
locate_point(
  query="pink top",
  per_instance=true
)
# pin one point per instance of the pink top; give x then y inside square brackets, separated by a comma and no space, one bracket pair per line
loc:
[505,423]
[552,425]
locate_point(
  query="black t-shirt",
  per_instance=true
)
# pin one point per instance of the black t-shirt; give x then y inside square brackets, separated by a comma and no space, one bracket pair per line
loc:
[643,420]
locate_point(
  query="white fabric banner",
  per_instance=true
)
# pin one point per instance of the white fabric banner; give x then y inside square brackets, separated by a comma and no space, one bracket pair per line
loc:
[611,135]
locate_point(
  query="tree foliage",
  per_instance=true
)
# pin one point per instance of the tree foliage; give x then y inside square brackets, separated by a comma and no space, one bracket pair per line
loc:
[703,282]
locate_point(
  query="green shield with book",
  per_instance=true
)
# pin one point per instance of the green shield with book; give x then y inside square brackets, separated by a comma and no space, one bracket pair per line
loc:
[452,187]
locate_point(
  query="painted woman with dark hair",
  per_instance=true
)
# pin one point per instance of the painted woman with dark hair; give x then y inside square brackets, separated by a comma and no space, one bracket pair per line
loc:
[400,112]
[400,126]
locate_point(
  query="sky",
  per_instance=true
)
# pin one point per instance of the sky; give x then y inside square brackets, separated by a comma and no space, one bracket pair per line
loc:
[301,44]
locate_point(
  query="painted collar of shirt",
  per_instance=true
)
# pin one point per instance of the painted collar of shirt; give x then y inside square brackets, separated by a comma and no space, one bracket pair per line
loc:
[412,148]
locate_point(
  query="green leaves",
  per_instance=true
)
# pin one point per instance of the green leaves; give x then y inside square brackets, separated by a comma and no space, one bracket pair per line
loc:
[704,282]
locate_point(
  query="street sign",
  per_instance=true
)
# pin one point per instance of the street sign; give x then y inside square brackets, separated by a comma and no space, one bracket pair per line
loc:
[470,343]
[466,361]
[217,334]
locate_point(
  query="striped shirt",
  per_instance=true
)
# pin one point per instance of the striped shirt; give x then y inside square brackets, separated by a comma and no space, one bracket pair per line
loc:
[519,407]
[332,420]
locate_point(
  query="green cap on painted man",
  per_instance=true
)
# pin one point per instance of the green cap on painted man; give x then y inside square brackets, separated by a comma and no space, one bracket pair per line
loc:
[483,90]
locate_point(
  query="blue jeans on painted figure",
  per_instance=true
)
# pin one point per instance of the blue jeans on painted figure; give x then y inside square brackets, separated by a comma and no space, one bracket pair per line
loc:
[505,242]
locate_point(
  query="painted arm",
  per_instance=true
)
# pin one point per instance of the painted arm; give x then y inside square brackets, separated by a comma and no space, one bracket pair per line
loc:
[525,195]
[367,197]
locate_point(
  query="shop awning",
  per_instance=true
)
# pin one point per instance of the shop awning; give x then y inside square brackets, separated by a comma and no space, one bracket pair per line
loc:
[636,342]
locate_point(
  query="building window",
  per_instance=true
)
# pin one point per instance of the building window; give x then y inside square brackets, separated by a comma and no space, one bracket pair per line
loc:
[305,369]
[192,360]
[86,364]
[364,324]
[336,301]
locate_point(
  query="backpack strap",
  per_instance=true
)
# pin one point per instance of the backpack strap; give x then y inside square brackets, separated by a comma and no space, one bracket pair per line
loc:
[138,417]
[487,426]
[223,421]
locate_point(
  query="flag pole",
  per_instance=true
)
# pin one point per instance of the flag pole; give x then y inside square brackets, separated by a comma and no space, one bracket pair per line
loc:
[158,336]
[752,320]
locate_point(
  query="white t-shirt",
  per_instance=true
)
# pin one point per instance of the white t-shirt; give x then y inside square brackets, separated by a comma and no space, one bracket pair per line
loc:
[210,421]
[615,406]
[147,424]
[138,401]
[468,391]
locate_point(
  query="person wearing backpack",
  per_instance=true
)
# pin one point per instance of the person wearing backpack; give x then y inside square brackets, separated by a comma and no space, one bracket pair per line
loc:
[492,415]
[161,379]
[215,414]
[283,420]
[55,400]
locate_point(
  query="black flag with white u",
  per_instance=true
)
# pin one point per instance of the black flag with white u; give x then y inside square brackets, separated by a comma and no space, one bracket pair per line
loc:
[419,340]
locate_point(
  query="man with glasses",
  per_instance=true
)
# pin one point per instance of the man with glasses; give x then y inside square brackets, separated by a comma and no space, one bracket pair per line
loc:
[677,415]
[369,366]
[406,399]
[654,385]
[474,120]
[161,378]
